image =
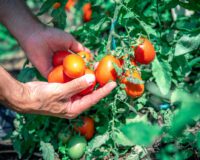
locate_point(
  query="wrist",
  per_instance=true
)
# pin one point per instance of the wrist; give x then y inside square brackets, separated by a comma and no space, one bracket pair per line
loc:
[12,92]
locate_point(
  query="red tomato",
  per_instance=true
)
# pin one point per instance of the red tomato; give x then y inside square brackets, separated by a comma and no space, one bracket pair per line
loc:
[57,75]
[144,53]
[91,88]
[133,90]
[87,12]
[70,4]
[56,5]
[87,128]
[105,70]
[58,57]
[86,56]
[74,66]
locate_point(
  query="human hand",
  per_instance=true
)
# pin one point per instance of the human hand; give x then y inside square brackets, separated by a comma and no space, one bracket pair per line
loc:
[58,100]
[40,46]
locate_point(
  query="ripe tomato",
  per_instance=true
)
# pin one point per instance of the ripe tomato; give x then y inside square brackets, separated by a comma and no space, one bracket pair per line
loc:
[56,5]
[57,75]
[144,53]
[87,12]
[58,57]
[74,66]
[87,128]
[86,56]
[70,4]
[121,60]
[133,62]
[133,90]
[91,88]
[105,70]
[76,147]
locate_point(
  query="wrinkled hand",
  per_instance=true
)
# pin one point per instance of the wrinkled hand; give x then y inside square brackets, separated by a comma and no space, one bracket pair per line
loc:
[58,99]
[41,44]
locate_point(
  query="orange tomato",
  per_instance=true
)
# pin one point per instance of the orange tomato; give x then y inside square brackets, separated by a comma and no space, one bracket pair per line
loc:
[70,4]
[74,66]
[133,90]
[105,70]
[86,56]
[87,12]
[58,57]
[57,75]
[87,129]
[56,5]
[91,88]
[144,53]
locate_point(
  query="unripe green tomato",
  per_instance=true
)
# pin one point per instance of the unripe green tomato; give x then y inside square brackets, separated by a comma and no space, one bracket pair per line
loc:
[64,137]
[76,147]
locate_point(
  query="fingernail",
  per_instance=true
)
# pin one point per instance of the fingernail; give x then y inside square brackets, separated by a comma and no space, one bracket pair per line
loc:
[90,78]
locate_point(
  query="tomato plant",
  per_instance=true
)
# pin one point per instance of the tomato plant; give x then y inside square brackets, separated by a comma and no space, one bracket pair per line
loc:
[153,112]
[105,71]
[74,66]
[87,128]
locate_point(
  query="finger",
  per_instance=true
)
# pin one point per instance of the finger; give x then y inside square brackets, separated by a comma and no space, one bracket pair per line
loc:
[77,85]
[71,43]
[87,101]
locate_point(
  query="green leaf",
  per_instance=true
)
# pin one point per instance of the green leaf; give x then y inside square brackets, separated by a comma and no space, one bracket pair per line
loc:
[27,74]
[46,6]
[186,44]
[162,74]
[188,112]
[59,18]
[121,139]
[97,142]
[47,151]
[140,133]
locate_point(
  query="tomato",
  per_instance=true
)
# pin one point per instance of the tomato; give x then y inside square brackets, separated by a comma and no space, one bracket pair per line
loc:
[58,57]
[70,4]
[91,88]
[144,53]
[64,137]
[57,75]
[86,128]
[133,90]
[76,147]
[56,5]
[121,60]
[105,70]
[86,56]
[74,66]
[133,62]
[87,12]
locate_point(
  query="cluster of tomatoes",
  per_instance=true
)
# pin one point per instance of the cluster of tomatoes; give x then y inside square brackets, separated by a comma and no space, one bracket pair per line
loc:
[87,11]
[68,66]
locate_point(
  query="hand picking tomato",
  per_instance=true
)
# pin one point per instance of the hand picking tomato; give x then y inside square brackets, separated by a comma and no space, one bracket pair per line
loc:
[105,70]
[59,56]
[144,53]
[57,75]
[87,12]
[91,88]
[86,56]
[87,128]
[56,5]
[74,66]
[133,90]
[76,147]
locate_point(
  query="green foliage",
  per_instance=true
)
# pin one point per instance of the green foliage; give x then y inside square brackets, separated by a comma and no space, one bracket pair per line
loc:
[130,128]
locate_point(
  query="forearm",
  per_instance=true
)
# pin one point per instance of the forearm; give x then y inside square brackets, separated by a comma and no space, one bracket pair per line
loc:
[15,15]
[11,91]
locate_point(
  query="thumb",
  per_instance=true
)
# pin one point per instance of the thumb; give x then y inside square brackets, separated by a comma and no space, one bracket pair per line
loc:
[77,85]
